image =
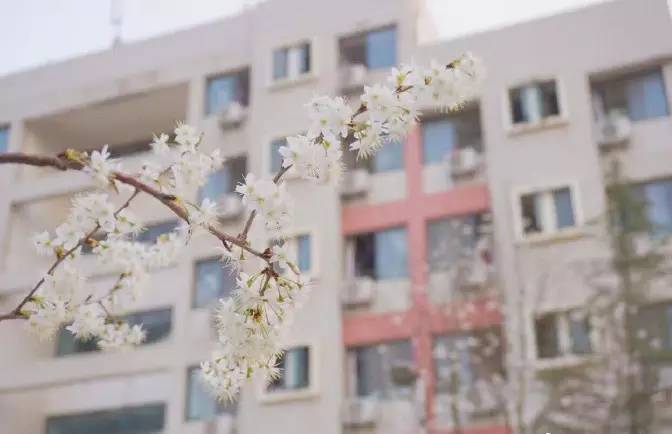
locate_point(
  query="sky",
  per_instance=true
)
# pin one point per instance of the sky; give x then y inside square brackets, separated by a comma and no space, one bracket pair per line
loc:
[37,32]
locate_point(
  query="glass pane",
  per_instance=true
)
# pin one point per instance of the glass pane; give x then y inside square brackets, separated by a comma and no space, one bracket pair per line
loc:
[4,139]
[276,158]
[155,323]
[304,58]
[451,238]
[237,168]
[67,344]
[365,255]
[518,115]
[564,210]
[213,282]
[530,205]
[280,63]
[389,157]
[217,185]
[659,206]
[646,96]
[579,334]
[131,420]
[303,248]
[391,254]
[221,91]
[373,368]
[200,403]
[546,332]
[549,99]
[438,140]
[153,232]
[294,370]
[352,50]
[381,48]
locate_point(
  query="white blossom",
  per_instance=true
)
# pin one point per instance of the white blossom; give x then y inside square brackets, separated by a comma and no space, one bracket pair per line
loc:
[160,144]
[100,167]
[88,321]
[120,336]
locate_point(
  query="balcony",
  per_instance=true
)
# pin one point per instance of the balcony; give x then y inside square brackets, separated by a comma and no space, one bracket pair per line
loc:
[125,124]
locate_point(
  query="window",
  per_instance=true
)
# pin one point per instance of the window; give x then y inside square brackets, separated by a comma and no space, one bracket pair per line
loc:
[303,253]
[223,90]
[534,102]
[658,201]
[470,356]
[131,420]
[370,369]
[155,323]
[641,95]
[224,180]
[294,367]
[213,282]
[201,405]
[275,157]
[154,231]
[654,328]
[4,139]
[291,62]
[547,212]
[380,255]
[374,49]
[563,333]
[299,251]
[448,239]
[388,158]
[440,136]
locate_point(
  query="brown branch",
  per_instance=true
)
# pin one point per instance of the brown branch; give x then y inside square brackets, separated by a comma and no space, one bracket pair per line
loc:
[168,200]
[16,312]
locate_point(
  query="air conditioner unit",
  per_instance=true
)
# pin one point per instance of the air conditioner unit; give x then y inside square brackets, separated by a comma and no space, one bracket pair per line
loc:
[358,291]
[358,412]
[355,183]
[230,206]
[353,76]
[232,115]
[614,130]
[464,162]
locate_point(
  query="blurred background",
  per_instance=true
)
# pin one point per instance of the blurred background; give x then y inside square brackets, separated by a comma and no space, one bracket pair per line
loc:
[505,269]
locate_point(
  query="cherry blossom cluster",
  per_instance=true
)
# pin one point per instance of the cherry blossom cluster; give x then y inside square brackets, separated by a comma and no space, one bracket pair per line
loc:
[386,113]
[251,325]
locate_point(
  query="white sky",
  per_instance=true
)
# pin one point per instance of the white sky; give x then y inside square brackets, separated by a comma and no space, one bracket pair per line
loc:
[35,32]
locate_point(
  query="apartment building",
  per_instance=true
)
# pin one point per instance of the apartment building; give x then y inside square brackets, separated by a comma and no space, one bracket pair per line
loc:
[407,276]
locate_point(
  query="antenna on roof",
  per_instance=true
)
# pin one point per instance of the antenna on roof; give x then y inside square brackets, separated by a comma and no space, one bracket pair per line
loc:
[116,20]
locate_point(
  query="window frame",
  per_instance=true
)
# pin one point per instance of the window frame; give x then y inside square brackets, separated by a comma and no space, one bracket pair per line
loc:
[238,72]
[599,82]
[194,290]
[551,121]
[351,254]
[114,409]
[96,350]
[563,336]
[220,409]
[363,33]
[556,233]
[300,77]
[266,396]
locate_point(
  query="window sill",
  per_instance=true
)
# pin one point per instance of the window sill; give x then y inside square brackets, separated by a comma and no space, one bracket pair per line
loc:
[544,124]
[282,396]
[563,362]
[562,236]
[285,83]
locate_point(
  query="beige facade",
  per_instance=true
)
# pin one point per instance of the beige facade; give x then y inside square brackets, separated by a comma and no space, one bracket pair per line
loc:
[122,95]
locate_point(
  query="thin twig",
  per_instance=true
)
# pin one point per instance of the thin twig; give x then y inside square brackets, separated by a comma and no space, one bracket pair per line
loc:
[16,312]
